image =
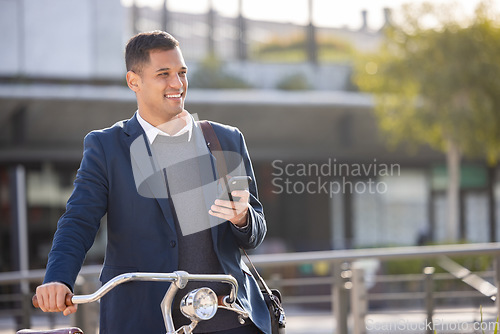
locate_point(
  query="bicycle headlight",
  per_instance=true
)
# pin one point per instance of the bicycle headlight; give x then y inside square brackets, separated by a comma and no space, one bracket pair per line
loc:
[199,304]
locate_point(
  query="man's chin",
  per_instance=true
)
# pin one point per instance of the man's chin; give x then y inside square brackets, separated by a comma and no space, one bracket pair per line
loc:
[175,112]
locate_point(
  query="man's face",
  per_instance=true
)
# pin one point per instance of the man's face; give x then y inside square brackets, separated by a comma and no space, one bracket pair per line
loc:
[161,86]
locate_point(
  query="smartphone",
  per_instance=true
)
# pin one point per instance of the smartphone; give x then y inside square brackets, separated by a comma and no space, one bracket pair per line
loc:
[235,183]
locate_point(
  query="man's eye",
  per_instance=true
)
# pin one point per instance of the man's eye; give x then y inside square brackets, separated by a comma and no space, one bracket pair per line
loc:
[183,73]
[163,73]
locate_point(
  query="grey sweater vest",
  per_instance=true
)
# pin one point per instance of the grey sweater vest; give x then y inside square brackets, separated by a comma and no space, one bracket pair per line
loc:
[177,155]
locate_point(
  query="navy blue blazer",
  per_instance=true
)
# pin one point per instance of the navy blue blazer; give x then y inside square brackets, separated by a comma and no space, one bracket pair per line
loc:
[141,232]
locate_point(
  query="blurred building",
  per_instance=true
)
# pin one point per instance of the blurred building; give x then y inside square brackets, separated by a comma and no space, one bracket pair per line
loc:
[325,176]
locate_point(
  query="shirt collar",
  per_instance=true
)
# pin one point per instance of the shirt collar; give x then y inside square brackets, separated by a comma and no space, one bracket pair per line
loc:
[152,131]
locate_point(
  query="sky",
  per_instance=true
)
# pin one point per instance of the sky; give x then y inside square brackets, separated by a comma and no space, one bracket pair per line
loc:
[330,13]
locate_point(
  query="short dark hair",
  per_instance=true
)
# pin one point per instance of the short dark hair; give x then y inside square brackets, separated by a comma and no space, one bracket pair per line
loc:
[139,46]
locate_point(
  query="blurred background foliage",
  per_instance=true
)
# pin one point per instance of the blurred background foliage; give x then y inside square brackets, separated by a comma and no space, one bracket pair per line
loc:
[296,81]
[211,74]
[436,85]
[331,49]
[415,266]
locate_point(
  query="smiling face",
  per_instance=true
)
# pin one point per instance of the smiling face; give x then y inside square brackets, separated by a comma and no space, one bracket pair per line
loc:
[160,86]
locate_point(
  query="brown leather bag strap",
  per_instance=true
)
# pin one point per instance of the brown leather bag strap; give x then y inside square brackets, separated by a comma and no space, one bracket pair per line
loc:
[214,147]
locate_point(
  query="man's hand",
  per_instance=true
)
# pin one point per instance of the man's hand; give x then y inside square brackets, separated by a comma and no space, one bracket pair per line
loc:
[52,298]
[234,211]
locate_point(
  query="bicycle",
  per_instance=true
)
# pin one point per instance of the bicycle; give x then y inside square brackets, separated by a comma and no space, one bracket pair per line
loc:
[198,305]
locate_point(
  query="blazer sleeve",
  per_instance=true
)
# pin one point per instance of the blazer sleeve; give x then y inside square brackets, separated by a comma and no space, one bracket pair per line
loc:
[253,234]
[78,226]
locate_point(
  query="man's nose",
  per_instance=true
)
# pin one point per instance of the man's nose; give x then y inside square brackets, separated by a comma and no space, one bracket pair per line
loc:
[176,82]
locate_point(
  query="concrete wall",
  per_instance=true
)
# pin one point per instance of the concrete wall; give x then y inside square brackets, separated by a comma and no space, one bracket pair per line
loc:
[85,39]
[79,39]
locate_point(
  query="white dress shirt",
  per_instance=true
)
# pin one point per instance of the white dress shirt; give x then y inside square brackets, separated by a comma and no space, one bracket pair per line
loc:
[152,131]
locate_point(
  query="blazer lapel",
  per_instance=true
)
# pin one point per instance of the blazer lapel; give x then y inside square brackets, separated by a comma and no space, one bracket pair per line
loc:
[148,176]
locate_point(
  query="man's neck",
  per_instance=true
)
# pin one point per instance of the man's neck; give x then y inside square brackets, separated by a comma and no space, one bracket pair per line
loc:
[170,126]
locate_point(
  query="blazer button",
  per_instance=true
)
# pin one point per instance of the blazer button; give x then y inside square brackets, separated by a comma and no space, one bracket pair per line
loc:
[173,243]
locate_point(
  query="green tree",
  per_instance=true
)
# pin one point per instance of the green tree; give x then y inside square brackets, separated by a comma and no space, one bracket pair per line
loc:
[439,86]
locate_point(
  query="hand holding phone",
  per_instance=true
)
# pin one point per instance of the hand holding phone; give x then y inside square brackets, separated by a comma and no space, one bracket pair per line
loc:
[235,183]
[229,207]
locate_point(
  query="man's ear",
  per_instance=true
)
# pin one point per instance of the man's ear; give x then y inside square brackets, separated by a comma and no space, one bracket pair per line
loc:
[133,80]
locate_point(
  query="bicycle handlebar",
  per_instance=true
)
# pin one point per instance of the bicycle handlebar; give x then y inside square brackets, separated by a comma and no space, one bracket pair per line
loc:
[178,280]
[180,277]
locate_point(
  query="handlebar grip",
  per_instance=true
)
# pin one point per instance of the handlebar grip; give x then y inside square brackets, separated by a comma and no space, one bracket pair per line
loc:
[220,300]
[34,301]
[67,300]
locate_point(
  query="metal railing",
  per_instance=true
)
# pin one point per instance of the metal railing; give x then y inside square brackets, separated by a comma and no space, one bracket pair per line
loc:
[345,288]
[355,294]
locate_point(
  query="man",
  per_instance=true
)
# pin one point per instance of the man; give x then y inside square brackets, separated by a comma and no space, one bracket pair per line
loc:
[146,230]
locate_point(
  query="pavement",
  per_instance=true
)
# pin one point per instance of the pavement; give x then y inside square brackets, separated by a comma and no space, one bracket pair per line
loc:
[309,321]
[445,321]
